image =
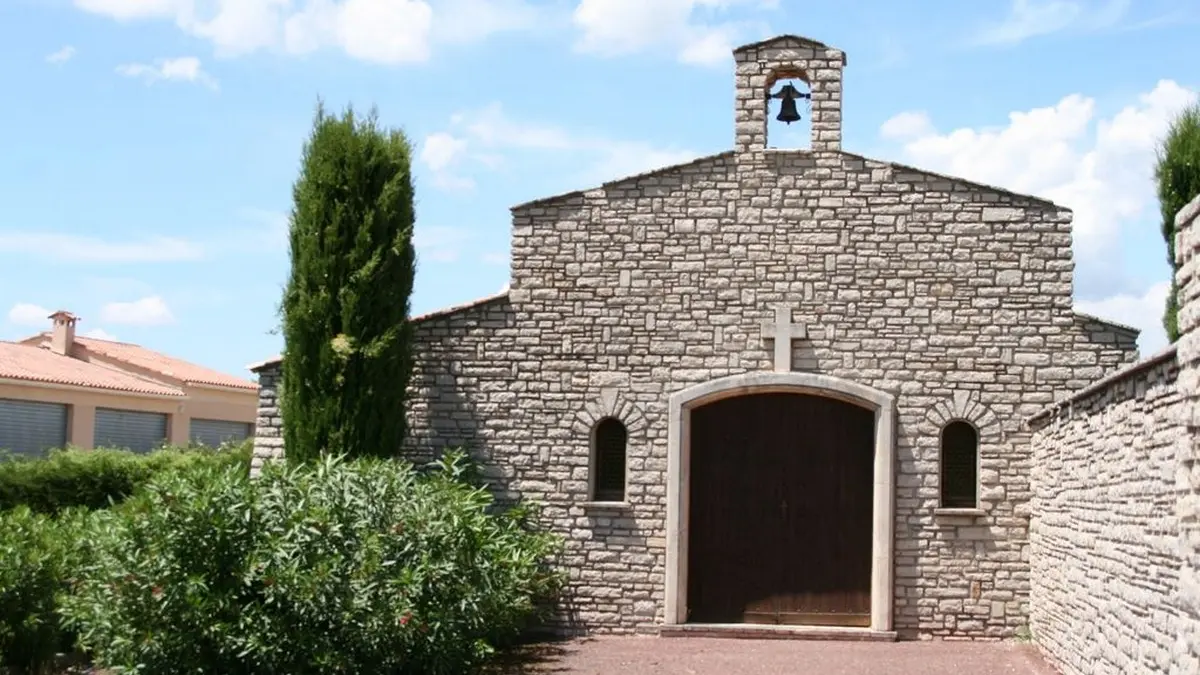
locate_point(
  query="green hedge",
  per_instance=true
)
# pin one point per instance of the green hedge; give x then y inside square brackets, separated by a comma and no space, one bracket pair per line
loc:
[38,553]
[329,567]
[93,479]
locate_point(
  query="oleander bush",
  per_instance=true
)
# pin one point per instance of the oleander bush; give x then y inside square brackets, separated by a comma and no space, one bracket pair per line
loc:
[332,566]
[38,555]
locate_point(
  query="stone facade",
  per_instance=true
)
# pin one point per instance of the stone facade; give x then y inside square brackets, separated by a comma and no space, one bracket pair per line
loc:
[952,299]
[1116,529]
[1104,537]
[1186,652]
[268,429]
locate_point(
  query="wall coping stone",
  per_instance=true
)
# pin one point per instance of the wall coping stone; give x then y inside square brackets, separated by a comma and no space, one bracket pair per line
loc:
[1128,372]
[1134,331]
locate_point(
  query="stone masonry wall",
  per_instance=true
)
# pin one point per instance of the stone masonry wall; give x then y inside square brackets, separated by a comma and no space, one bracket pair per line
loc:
[1104,536]
[1116,529]
[268,428]
[1186,652]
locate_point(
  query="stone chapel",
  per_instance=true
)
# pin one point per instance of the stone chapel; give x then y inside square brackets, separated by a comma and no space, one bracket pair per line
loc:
[770,389]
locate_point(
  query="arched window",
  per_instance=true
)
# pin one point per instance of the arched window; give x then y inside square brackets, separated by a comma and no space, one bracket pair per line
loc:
[960,466]
[608,460]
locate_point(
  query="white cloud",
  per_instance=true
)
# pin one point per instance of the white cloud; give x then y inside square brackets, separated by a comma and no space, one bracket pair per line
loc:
[907,125]
[1100,167]
[100,334]
[467,21]
[439,243]
[505,288]
[495,258]
[182,69]
[27,314]
[1140,310]
[61,56]
[134,9]
[1033,18]
[76,248]
[627,158]
[379,31]
[441,152]
[490,131]
[148,311]
[691,29]
[490,126]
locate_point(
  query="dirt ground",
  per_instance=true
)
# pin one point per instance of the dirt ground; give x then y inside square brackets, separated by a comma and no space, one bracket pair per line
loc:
[712,656]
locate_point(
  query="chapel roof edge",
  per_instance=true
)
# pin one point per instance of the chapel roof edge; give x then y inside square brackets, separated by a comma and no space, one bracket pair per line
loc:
[984,187]
[662,170]
[807,42]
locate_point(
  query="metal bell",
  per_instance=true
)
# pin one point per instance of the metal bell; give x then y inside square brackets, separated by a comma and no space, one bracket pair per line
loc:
[788,95]
[788,112]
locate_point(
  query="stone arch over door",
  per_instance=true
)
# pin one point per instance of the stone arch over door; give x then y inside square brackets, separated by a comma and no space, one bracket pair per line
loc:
[881,403]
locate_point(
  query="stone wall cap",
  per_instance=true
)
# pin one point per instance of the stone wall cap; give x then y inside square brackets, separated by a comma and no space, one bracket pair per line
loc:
[807,42]
[1163,356]
[663,170]
[455,309]
[983,187]
[580,194]
[1188,213]
[1110,324]
[428,316]
[260,366]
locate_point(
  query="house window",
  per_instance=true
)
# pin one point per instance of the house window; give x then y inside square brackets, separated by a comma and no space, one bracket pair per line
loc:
[608,460]
[960,472]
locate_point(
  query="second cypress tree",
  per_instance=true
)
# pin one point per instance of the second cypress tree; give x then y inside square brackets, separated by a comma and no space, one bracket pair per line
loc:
[347,338]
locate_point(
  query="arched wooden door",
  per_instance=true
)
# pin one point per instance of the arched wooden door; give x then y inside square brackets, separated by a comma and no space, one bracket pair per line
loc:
[780,511]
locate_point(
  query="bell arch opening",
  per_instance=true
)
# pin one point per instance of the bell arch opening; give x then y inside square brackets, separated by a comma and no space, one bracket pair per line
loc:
[788,101]
[877,421]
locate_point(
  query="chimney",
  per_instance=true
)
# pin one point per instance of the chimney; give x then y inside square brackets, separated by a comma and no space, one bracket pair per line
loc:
[63,337]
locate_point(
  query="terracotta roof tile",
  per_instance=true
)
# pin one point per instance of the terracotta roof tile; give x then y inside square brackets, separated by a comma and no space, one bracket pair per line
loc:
[158,362]
[38,364]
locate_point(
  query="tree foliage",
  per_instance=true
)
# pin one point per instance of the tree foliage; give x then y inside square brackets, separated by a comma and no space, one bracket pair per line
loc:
[347,354]
[327,567]
[1178,176]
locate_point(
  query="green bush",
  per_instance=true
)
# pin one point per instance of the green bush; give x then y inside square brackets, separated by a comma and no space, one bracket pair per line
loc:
[328,567]
[37,557]
[93,479]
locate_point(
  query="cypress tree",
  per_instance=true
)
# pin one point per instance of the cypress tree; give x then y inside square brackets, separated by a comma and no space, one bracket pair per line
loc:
[1178,176]
[347,339]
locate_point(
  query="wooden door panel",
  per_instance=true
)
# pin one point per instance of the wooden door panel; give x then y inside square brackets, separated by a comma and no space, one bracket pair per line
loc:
[780,511]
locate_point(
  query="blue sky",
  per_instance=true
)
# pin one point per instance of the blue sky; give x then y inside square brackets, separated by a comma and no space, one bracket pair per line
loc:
[148,147]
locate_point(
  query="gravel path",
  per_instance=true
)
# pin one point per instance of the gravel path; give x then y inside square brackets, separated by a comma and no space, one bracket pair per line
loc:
[711,656]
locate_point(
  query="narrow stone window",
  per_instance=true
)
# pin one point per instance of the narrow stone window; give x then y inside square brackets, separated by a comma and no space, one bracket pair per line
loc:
[960,472]
[608,460]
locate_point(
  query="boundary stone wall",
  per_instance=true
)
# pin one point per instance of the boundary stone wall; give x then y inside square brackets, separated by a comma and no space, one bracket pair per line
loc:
[1104,534]
[1115,534]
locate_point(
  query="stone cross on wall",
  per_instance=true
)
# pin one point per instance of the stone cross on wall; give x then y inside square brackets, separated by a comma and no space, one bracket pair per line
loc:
[783,331]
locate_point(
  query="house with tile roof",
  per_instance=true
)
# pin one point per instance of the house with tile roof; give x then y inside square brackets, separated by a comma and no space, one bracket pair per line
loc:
[58,388]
